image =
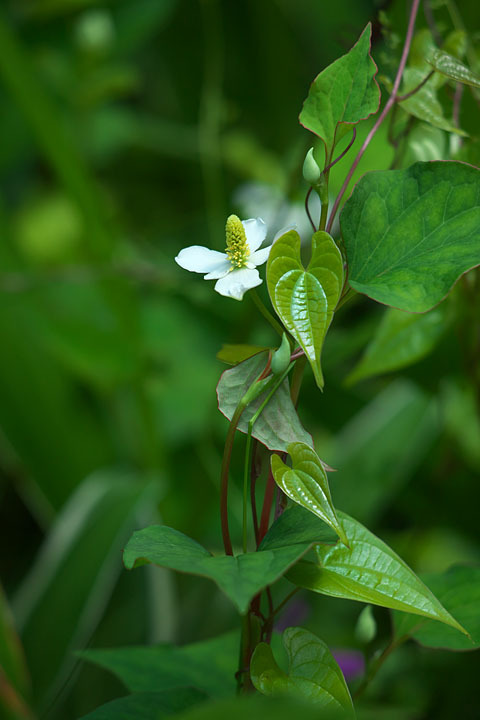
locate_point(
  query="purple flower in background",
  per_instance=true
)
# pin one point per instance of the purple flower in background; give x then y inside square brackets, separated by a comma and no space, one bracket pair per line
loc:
[351,662]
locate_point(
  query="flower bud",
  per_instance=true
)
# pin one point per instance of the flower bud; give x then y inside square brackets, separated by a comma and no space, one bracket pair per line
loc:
[281,357]
[311,170]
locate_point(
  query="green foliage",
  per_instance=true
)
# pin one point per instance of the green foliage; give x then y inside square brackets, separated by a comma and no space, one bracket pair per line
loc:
[305,300]
[278,425]
[458,589]
[208,666]
[453,69]
[240,577]
[306,483]
[368,571]
[313,672]
[400,340]
[409,234]
[148,705]
[342,94]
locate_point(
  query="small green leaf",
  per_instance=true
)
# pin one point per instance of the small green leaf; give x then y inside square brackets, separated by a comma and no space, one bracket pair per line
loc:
[401,339]
[306,483]
[459,591]
[424,103]
[278,425]
[452,68]
[342,94]
[410,234]
[240,577]
[209,666]
[368,571]
[313,671]
[148,705]
[306,299]
[234,354]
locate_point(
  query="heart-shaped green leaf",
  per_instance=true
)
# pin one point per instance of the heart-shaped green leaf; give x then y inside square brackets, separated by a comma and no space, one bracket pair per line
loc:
[459,591]
[306,299]
[400,339]
[306,483]
[240,577]
[371,572]
[410,234]
[452,68]
[313,671]
[278,425]
[342,94]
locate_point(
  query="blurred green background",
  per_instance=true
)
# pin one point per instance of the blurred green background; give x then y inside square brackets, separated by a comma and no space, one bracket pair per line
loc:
[131,129]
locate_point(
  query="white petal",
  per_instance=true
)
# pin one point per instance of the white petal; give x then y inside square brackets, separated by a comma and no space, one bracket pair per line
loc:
[236,283]
[200,259]
[260,256]
[284,230]
[223,269]
[256,232]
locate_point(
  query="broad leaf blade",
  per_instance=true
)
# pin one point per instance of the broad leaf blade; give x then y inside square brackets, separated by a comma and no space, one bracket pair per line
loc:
[313,672]
[306,483]
[371,572]
[235,354]
[278,425]
[410,234]
[459,591]
[305,299]
[297,525]
[401,339]
[452,68]
[240,577]
[148,705]
[209,666]
[345,92]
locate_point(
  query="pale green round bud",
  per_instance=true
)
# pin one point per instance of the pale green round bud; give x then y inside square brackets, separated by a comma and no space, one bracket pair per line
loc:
[311,171]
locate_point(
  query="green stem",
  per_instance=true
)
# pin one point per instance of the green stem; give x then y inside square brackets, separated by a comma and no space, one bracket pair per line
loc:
[266,313]
[376,664]
[277,381]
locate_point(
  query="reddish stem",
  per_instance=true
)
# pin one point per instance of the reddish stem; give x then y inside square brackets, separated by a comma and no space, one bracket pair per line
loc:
[383,114]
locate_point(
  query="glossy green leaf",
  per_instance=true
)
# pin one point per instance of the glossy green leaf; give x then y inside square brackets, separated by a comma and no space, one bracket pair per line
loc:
[305,300]
[342,94]
[240,577]
[401,339]
[148,705]
[458,589]
[368,571]
[424,104]
[306,483]
[278,425]
[410,234]
[452,68]
[74,575]
[209,666]
[313,671]
[234,354]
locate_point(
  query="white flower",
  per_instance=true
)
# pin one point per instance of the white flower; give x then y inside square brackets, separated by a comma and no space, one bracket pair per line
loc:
[235,269]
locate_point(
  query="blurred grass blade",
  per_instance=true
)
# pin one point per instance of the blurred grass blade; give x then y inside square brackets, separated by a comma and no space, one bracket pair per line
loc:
[63,597]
